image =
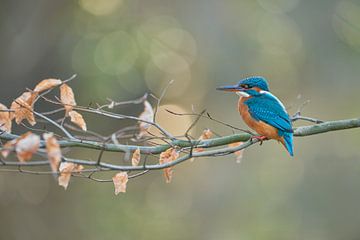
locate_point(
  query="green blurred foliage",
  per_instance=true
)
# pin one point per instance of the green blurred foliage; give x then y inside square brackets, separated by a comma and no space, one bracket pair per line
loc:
[121,49]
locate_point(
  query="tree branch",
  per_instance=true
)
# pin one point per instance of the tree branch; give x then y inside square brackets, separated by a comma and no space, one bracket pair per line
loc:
[210,143]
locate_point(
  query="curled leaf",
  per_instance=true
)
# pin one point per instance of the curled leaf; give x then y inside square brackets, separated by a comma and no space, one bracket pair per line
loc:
[148,116]
[8,147]
[135,160]
[26,146]
[53,151]
[23,108]
[66,169]
[78,119]
[206,134]
[239,154]
[67,98]
[46,84]
[5,120]
[120,180]
[167,157]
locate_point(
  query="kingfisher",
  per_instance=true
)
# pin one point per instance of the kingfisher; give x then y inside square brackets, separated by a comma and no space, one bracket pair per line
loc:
[262,111]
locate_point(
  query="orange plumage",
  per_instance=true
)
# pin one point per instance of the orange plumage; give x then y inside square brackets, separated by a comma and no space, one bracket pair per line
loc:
[260,127]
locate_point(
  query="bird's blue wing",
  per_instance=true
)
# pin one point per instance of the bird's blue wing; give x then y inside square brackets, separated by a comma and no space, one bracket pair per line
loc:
[269,109]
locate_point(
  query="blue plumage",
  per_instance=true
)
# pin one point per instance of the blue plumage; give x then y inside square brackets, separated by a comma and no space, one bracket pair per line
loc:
[258,81]
[267,108]
[288,137]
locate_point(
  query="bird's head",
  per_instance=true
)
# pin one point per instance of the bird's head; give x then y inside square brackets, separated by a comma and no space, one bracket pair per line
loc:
[247,87]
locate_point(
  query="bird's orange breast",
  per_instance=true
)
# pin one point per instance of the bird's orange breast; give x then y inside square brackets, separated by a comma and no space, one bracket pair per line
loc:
[260,127]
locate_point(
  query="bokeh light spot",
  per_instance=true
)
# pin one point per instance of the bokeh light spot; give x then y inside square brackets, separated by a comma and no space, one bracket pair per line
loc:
[174,124]
[82,57]
[99,7]
[346,22]
[280,69]
[173,50]
[132,81]
[156,80]
[278,34]
[278,6]
[116,53]
[152,27]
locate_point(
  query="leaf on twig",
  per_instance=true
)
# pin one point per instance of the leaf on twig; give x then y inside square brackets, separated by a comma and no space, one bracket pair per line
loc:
[168,156]
[120,180]
[78,119]
[46,84]
[66,169]
[206,134]
[67,98]
[8,147]
[5,120]
[239,154]
[148,116]
[53,151]
[136,157]
[23,108]
[26,146]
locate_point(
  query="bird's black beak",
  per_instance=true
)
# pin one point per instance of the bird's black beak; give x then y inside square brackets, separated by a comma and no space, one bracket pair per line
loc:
[230,88]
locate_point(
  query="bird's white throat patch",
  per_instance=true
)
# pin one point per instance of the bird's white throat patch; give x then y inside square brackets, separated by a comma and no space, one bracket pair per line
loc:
[242,94]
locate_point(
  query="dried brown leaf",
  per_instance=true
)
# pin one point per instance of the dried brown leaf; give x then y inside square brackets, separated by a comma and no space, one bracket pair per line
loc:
[5,120]
[26,146]
[23,108]
[206,134]
[120,180]
[53,151]
[66,169]
[8,147]
[46,84]
[67,98]
[136,157]
[168,156]
[78,119]
[148,116]
[239,154]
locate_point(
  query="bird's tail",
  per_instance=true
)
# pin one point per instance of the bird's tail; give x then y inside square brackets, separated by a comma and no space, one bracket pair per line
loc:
[288,143]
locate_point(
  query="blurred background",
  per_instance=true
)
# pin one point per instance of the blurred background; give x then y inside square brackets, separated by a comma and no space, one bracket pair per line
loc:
[120,49]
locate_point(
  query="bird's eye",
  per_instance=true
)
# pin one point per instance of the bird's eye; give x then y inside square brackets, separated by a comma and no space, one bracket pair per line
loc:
[245,86]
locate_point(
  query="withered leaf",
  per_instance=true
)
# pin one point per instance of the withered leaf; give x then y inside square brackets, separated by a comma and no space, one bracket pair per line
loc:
[78,119]
[5,120]
[135,160]
[46,84]
[148,116]
[120,180]
[8,147]
[66,169]
[23,108]
[239,154]
[26,146]
[206,134]
[67,98]
[166,157]
[11,145]
[53,151]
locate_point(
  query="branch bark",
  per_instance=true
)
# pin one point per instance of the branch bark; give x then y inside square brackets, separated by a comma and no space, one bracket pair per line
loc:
[182,145]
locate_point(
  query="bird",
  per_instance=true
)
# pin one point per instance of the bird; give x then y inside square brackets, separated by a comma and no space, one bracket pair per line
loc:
[262,111]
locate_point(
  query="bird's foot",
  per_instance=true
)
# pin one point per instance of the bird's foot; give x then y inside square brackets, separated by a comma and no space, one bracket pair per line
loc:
[260,138]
